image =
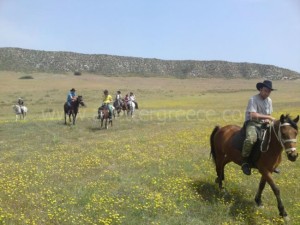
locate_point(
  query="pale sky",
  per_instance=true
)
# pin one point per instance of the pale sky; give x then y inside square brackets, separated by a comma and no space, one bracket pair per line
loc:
[254,31]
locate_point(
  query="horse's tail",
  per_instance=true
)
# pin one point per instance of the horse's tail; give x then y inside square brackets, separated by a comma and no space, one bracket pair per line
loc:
[212,143]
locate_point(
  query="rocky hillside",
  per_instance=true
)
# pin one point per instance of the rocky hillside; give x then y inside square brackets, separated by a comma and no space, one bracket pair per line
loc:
[23,60]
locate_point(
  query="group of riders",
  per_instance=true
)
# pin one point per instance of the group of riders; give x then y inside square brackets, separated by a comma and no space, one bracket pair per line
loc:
[258,112]
[108,102]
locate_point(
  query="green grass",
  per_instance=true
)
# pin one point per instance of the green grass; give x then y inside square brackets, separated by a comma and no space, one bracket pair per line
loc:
[152,169]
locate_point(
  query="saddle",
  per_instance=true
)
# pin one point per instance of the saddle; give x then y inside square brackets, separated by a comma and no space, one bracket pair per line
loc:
[260,145]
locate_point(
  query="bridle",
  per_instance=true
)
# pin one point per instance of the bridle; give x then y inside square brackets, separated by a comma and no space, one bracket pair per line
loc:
[282,141]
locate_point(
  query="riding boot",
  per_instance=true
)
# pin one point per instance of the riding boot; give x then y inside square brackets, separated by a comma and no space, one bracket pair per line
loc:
[110,116]
[245,166]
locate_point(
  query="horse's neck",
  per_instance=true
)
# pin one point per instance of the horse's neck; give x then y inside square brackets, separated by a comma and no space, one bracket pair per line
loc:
[75,104]
[275,143]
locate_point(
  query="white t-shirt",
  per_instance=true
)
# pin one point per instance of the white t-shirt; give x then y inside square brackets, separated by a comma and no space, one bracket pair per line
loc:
[132,98]
[259,105]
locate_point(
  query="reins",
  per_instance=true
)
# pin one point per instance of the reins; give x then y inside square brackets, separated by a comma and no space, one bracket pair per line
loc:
[278,135]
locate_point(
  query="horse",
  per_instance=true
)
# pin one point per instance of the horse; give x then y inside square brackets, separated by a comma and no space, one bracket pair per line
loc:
[20,111]
[281,134]
[119,106]
[73,110]
[130,108]
[103,114]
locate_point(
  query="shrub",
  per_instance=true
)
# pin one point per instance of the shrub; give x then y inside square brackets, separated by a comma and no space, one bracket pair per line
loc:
[77,73]
[26,77]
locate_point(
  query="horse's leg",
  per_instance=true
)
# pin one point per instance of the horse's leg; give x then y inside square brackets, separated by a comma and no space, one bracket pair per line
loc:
[106,127]
[110,122]
[220,171]
[101,122]
[261,187]
[221,161]
[276,192]
[74,117]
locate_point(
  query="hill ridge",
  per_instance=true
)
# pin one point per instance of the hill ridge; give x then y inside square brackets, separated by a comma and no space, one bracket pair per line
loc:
[27,60]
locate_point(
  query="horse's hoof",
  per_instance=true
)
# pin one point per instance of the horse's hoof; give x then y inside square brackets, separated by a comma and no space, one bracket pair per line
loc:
[261,206]
[286,219]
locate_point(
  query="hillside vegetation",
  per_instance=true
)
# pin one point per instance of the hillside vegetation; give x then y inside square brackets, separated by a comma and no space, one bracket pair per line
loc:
[151,169]
[20,60]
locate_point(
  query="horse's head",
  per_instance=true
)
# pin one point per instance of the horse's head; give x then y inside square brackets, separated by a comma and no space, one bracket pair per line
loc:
[80,100]
[103,112]
[287,135]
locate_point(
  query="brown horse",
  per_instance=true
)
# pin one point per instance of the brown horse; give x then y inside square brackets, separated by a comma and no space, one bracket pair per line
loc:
[281,134]
[103,115]
[73,110]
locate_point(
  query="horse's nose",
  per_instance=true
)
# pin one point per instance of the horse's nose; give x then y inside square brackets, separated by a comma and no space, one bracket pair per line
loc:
[293,156]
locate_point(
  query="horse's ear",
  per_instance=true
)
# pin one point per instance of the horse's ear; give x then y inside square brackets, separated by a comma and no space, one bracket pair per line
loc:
[296,119]
[282,118]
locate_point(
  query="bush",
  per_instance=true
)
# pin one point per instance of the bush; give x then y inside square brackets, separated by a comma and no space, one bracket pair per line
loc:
[77,73]
[26,77]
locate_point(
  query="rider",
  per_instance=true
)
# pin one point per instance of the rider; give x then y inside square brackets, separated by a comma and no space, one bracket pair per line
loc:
[107,101]
[21,104]
[132,98]
[126,99]
[71,97]
[258,111]
[118,99]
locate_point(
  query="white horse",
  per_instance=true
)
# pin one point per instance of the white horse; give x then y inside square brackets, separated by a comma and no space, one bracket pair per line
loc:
[131,108]
[20,111]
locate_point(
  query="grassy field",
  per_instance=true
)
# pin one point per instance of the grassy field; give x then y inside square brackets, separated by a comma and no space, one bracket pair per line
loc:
[153,168]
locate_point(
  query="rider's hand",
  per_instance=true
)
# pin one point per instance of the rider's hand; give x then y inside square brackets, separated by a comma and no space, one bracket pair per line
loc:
[272,118]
